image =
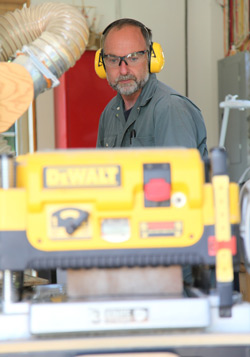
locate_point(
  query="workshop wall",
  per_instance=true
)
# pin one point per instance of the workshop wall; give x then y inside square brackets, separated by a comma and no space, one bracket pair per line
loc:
[192,46]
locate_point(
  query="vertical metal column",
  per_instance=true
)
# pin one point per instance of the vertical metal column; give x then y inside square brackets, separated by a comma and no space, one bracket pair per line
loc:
[7,171]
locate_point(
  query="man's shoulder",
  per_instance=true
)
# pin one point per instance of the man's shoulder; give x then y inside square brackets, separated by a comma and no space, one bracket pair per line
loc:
[175,97]
[164,91]
[178,97]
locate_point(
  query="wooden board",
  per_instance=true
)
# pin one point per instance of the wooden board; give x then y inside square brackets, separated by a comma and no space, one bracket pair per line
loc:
[125,281]
[11,5]
[244,278]
[30,280]
[16,93]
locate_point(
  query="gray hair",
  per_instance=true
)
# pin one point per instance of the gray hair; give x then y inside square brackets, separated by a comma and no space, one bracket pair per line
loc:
[146,32]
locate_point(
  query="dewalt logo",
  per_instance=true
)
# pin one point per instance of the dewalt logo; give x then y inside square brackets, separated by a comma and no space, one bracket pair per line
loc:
[82,176]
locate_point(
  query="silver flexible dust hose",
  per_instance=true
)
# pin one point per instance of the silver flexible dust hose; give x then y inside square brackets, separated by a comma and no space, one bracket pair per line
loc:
[47,38]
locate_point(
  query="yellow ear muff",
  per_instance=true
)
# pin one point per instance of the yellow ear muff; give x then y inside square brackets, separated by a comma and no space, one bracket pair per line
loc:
[99,65]
[156,58]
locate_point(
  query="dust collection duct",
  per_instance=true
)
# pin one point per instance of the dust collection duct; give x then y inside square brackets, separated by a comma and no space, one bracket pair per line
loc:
[46,39]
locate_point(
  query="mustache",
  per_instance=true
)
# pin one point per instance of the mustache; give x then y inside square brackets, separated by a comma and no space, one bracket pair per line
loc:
[125,78]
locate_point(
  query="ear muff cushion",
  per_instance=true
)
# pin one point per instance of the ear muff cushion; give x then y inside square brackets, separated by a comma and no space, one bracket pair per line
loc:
[156,58]
[99,65]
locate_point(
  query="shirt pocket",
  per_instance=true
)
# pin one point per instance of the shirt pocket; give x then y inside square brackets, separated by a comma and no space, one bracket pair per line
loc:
[143,141]
[109,141]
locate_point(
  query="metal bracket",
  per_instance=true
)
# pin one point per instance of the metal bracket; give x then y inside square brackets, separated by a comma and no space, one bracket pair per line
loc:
[41,67]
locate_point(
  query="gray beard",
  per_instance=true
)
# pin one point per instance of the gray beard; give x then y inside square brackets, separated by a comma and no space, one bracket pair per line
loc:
[131,88]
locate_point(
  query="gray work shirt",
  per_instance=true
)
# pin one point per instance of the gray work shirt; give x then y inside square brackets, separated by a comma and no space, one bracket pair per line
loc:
[160,117]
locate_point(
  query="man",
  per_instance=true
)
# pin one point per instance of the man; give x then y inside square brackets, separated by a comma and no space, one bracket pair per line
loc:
[145,111]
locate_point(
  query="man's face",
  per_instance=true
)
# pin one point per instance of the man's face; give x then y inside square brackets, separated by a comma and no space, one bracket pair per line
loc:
[126,79]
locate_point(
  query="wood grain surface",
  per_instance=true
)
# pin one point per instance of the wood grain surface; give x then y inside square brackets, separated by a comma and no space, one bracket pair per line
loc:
[11,5]
[16,93]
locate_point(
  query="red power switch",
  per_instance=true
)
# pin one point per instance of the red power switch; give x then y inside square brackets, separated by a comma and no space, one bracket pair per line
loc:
[157,184]
[157,190]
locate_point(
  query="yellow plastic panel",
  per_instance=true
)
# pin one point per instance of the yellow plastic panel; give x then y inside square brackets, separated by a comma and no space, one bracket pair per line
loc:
[108,185]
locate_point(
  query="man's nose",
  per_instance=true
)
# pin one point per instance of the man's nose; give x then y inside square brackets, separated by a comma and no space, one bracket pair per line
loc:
[123,67]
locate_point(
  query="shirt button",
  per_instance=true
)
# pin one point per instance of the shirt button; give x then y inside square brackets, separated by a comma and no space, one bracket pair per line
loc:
[117,115]
[118,108]
[106,144]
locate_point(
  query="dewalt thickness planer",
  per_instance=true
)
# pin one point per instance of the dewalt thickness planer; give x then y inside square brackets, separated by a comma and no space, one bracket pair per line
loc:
[117,208]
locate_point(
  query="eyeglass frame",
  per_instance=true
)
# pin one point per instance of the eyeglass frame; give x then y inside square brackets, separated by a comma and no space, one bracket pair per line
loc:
[123,58]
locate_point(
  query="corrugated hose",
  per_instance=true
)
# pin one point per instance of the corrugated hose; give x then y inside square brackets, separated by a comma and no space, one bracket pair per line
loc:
[46,39]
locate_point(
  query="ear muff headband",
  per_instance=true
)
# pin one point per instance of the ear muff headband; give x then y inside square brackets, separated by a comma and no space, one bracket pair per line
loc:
[156,60]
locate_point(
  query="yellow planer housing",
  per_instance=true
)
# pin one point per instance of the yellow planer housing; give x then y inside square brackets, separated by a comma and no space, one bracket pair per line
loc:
[113,208]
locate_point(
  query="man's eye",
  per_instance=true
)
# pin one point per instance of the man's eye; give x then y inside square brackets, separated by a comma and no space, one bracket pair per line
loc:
[133,58]
[112,59]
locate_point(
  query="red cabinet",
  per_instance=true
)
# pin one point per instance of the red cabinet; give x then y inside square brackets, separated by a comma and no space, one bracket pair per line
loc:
[79,102]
